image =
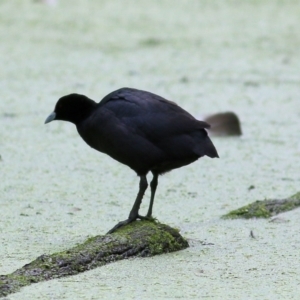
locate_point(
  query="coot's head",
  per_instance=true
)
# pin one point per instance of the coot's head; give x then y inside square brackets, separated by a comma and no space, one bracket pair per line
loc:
[73,108]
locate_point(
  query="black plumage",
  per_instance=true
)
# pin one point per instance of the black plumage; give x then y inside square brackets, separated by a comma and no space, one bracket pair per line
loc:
[139,129]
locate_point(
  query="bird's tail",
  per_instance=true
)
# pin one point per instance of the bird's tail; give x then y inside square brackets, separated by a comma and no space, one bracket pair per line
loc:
[205,146]
[210,149]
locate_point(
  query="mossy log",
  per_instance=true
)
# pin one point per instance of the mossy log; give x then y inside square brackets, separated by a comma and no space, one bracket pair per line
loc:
[265,208]
[138,239]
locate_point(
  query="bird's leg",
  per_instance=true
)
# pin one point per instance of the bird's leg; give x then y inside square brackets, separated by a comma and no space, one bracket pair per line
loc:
[134,213]
[153,186]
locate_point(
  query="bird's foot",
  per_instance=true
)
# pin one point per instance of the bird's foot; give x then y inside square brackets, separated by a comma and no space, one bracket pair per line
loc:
[120,224]
[128,221]
[148,218]
[142,217]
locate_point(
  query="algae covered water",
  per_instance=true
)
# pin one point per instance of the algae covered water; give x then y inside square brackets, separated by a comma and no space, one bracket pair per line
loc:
[207,57]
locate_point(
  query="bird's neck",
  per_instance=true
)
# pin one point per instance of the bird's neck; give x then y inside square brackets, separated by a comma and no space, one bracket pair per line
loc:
[83,112]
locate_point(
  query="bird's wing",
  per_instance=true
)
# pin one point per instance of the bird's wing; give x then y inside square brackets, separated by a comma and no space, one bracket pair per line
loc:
[150,115]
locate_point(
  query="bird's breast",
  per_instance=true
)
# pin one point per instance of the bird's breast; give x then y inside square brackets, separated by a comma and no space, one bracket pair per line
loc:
[122,144]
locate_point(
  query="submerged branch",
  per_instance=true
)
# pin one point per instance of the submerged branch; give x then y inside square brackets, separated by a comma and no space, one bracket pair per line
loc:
[265,208]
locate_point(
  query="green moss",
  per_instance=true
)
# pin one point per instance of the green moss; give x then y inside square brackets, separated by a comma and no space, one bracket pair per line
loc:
[158,237]
[253,210]
[265,208]
[295,196]
[165,241]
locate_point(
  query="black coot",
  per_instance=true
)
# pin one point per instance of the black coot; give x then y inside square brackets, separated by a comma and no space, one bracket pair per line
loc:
[139,129]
